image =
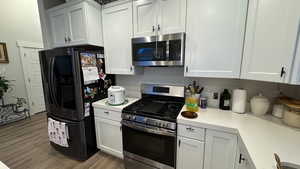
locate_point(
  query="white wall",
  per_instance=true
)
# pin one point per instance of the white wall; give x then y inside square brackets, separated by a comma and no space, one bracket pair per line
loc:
[169,75]
[19,20]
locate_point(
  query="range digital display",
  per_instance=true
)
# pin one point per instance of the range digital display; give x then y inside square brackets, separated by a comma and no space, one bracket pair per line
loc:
[161,89]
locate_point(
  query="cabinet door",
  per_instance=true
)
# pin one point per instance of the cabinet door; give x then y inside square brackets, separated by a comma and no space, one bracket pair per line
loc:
[109,136]
[145,17]
[214,37]
[117,32]
[220,150]
[270,39]
[171,16]
[77,24]
[189,153]
[243,160]
[59,27]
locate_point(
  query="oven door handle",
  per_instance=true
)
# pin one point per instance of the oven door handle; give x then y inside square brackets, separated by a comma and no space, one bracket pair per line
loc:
[163,132]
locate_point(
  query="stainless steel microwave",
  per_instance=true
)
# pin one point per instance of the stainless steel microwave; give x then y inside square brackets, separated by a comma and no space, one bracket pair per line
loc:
[162,50]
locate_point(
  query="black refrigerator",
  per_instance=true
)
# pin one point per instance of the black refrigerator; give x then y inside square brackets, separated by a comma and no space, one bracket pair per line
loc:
[73,78]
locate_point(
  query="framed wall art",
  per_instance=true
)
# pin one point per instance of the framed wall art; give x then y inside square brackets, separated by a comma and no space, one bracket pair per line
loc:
[3,53]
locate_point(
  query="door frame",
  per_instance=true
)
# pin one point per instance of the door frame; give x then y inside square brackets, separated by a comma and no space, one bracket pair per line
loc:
[22,45]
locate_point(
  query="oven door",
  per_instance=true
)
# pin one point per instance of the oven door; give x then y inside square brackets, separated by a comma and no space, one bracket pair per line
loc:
[147,147]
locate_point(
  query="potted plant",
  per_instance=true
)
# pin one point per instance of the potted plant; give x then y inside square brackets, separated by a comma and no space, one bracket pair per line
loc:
[4,86]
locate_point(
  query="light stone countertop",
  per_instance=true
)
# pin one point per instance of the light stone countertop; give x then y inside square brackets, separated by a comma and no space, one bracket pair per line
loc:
[102,104]
[262,136]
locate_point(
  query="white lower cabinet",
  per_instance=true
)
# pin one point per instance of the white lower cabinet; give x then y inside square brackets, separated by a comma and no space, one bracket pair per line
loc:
[220,150]
[243,160]
[109,136]
[190,153]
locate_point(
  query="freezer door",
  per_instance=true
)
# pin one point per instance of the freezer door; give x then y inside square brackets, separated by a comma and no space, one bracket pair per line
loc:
[80,146]
[62,83]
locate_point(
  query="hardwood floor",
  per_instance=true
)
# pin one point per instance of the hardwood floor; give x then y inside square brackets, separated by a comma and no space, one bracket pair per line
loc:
[25,145]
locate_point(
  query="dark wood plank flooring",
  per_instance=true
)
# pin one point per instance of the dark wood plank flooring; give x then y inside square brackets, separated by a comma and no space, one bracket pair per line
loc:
[25,145]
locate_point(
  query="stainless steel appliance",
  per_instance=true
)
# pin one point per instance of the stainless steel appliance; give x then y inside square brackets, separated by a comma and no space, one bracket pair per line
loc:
[162,50]
[149,128]
[73,78]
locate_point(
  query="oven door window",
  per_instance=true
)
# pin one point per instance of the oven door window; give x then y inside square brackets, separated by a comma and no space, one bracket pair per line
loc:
[155,147]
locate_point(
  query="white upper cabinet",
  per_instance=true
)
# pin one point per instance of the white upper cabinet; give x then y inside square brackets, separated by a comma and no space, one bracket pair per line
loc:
[145,17]
[220,150]
[214,37]
[153,17]
[77,31]
[271,40]
[59,26]
[171,16]
[76,23]
[190,153]
[117,33]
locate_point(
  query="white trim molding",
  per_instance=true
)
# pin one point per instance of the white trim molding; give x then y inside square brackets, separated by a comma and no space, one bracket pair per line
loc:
[26,44]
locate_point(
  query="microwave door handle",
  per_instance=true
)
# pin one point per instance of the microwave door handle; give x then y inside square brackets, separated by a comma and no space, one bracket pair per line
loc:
[148,130]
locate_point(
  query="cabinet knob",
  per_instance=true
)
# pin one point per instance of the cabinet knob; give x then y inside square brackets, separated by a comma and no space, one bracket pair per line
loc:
[69,39]
[158,27]
[153,28]
[66,40]
[106,112]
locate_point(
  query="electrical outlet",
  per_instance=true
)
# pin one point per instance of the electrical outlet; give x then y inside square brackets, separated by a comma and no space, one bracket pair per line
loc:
[216,96]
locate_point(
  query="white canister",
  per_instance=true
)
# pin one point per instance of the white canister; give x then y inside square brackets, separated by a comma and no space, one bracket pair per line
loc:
[239,100]
[259,105]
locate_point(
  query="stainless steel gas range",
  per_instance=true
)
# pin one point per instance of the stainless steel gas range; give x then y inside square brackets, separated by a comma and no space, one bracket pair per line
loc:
[149,128]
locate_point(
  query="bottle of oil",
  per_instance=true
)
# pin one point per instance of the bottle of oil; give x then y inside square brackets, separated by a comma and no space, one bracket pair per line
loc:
[225,100]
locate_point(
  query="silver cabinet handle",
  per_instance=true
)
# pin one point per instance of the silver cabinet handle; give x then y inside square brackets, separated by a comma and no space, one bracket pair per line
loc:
[186,69]
[190,129]
[283,72]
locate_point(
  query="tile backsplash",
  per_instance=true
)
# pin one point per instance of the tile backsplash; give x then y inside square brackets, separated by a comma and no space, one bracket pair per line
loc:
[175,76]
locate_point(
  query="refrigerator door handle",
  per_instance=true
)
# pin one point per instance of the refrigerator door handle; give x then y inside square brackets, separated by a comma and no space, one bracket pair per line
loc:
[49,81]
[52,81]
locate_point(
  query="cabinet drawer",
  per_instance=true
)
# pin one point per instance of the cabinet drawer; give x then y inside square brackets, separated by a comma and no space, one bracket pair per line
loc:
[108,114]
[191,132]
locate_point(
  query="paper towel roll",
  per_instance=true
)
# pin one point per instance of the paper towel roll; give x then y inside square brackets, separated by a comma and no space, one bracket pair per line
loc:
[239,100]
